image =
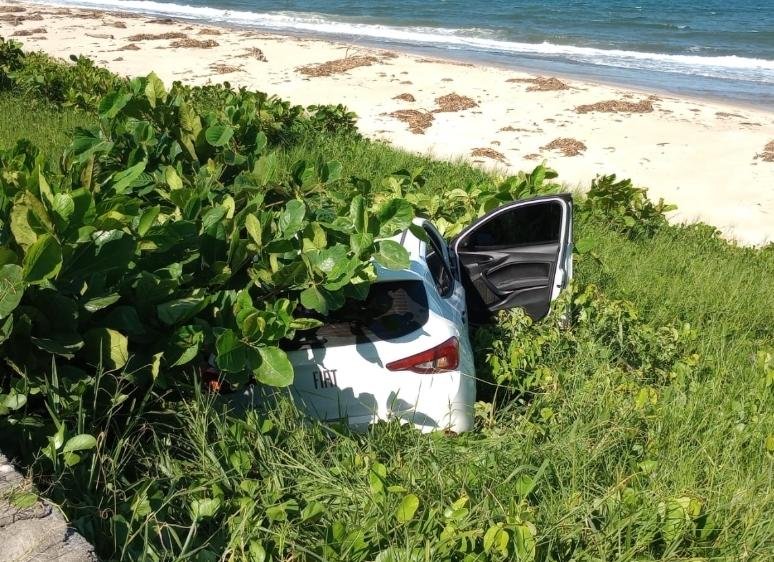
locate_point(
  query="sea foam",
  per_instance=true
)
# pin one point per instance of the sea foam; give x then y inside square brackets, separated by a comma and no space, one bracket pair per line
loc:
[470,40]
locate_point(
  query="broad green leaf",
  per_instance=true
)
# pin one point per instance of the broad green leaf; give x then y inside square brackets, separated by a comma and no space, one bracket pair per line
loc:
[204,508]
[42,260]
[524,541]
[179,310]
[213,216]
[233,355]
[87,142]
[172,178]
[154,89]
[107,346]
[113,103]
[305,323]
[11,288]
[64,207]
[218,135]
[15,400]
[358,214]
[394,216]
[147,219]
[65,345]
[313,510]
[407,508]
[331,171]
[303,173]
[313,299]
[254,229]
[291,220]
[496,539]
[392,255]
[257,552]
[359,243]
[98,303]
[260,142]
[275,368]
[81,442]
[265,168]
[376,478]
[125,178]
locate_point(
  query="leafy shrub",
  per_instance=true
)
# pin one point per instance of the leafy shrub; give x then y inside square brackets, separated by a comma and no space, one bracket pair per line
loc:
[333,119]
[166,236]
[524,357]
[456,207]
[624,207]
[81,84]
[11,60]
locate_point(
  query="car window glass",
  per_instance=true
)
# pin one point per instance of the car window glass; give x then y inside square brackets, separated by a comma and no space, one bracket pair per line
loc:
[391,310]
[523,225]
[436,263]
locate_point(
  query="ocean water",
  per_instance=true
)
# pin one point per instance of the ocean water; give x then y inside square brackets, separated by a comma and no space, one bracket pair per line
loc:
[710,48]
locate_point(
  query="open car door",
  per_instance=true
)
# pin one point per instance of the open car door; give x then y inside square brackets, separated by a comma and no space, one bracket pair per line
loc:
[519,255]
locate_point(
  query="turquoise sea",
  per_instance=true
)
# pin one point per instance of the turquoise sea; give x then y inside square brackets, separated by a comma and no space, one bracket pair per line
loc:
[711,48]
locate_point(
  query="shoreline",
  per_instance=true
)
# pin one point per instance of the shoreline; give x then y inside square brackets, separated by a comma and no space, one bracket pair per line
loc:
[738,93]
[701,154]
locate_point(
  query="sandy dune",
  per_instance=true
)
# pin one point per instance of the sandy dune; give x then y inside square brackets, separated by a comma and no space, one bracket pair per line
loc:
[708,158]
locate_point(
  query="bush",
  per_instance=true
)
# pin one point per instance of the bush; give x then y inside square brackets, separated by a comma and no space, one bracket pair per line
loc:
[624,207]
[164,237]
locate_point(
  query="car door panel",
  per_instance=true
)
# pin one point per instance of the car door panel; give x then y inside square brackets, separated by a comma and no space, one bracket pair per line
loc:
[516,256]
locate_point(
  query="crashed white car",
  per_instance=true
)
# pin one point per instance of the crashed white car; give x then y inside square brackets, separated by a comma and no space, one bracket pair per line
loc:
[404,352]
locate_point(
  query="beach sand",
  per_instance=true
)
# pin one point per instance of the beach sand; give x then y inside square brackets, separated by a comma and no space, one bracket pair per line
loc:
[708,158]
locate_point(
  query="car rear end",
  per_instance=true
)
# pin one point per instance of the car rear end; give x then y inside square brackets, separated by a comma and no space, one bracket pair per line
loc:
[399,354]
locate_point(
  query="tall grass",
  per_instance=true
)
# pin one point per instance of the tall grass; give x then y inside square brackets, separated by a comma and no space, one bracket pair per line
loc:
[639,440]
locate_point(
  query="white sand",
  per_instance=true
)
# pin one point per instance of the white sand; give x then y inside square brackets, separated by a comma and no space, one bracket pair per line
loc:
[701,155]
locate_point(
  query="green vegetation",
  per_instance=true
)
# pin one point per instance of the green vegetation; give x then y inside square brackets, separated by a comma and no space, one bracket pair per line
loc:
[640,428]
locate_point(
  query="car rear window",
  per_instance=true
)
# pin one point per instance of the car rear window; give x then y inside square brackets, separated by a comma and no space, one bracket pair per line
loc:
[391,310]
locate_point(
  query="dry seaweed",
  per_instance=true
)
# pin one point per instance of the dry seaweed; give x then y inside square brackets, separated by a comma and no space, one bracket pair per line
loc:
[726,114]
[488,153]
[220,68]
[12,9]
[194,44]
[453,102]
[542,84]
[162,21]
[155,36]
[129,47]
[254,53]
[337,66]
[568,147]
[405,97]
[16,19]
[87,15]
[768,152]
[119,24]
[418,121]
[209,31]
[28,32]
[617,106]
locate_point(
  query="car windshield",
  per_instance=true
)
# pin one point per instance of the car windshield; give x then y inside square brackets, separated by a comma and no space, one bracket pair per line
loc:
[391,310]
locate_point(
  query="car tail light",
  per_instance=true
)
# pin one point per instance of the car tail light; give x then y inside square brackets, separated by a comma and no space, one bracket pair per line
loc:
[442,358]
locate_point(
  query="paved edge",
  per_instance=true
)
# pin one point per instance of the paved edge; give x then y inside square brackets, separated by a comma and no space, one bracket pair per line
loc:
[37,532]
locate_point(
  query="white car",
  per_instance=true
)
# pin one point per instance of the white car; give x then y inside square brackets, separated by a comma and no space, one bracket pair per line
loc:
[404,352]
